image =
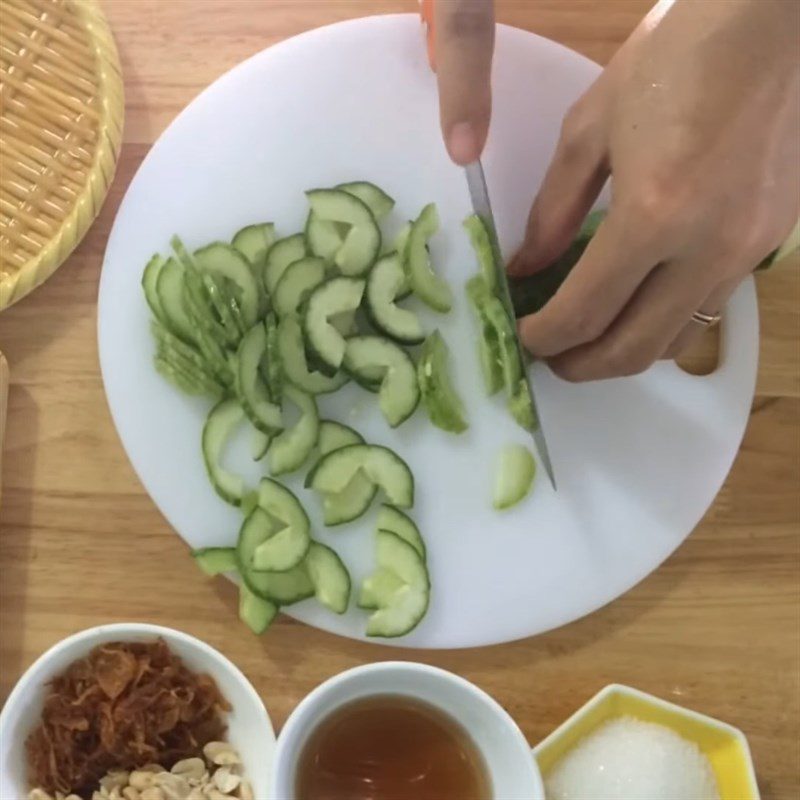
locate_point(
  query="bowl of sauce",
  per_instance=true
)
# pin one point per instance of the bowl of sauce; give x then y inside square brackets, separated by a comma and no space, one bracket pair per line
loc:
[402,731]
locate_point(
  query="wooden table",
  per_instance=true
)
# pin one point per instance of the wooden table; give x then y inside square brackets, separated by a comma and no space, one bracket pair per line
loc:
[717,628]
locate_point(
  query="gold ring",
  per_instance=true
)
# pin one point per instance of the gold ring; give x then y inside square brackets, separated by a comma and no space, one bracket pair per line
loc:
[706,320]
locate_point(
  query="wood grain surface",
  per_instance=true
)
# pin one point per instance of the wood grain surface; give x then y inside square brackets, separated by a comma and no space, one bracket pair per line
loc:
[717,628]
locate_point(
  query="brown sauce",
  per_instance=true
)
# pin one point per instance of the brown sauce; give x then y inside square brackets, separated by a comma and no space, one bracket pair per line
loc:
[390,747]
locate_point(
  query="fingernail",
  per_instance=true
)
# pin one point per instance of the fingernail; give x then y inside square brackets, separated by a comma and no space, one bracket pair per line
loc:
[462,143]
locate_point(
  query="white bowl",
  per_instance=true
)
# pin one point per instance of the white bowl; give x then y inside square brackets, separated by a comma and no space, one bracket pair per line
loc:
[249,727]
[513,772]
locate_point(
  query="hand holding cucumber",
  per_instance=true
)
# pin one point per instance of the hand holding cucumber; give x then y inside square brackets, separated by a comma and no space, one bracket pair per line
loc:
[697,118]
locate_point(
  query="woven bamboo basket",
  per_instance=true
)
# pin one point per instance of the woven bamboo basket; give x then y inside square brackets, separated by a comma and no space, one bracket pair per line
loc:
[61,113]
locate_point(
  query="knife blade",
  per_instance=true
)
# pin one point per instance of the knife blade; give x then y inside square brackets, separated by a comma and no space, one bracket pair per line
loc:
[479,193]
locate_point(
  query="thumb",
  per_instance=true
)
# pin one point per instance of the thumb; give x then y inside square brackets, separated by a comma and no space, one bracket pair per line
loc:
[464,42]
[573,181]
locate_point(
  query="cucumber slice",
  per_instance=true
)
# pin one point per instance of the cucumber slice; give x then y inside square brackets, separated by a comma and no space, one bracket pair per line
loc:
[482,245]
[282,588]
[215,356]
[183,364]
[394,520]
[284,252]
[521,408]
[439,396]
[284,548]
[273,368]
[170,293]
[254,611]
[401,611]
[250,388]
[378,588]
[506,337]
[204,314]
[323,237]
[427,285]
[335,296]
[399,393]
[400,246]
[260,445]
[249,503]
[374,198]
[149,284]
[222,421]
[386,280]
[333,435]
[223,261]
[330,577]
[382,466]
[345,323]
[253,242]
[291,447]
[297,282]
[363,241]
[351,502]
[225,306]
[514,476]
[293,359]
[215,560]
[488,343]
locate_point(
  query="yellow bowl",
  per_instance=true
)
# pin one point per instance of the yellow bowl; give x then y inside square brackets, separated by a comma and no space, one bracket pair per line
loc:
[725,746]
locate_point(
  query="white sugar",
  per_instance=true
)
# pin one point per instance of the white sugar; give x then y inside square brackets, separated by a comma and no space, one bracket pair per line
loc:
[626,759]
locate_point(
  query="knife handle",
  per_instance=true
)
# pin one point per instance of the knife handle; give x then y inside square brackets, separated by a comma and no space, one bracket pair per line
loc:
[426,14]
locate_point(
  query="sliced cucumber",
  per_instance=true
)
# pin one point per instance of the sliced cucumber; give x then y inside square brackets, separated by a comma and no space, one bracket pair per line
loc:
[333,435]
[297,282]
[521,407]
[514,476]
[335,296]
[385,282]
[382,466]
[324,238]
[283,588]
[183,364]
[290,448]
[363,240]
[260,445]
[170,293]
[374,198]
[506,337]
[225,306]
[351,502]
[249,503]
[439,396]
[394,520]
[254,611]
[399,391]
[216,357]
[482,245]
[252,393]
[400,246]
[400,611]
[488,343]
[221,422]
[222,260]
[253,242]
[149,284]
[271,365]
[203,313]
[330,577]
[379,587]
[286,547]
[215,560]
[284,252]
[293,359]
[427,285]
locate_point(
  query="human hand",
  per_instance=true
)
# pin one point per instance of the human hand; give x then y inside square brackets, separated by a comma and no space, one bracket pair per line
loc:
[461,54]
[697,118]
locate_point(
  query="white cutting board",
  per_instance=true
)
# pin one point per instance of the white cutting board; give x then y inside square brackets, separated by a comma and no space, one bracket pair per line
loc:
[638,460]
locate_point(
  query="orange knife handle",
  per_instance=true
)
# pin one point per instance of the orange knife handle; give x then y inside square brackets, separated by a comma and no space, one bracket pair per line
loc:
[426,13]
